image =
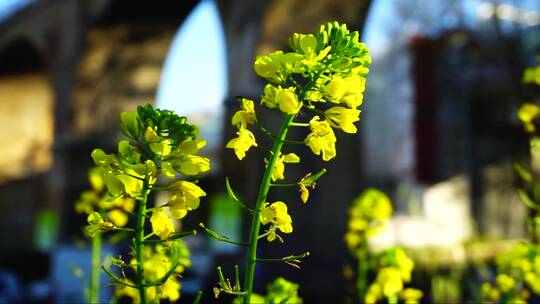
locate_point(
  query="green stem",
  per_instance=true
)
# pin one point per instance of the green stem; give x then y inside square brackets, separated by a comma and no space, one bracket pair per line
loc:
[220,238]
[299,124]
[362,275]
[198,297]
[139,242]
[96,261]
[284,185]
[251,259]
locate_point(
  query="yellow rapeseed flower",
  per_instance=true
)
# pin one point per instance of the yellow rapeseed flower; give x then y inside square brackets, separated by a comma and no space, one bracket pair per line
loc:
[412,295]
[186,197]
[246,114]
[132,186]
[335,89]
[96,224]
[373,294]
[170,290]
[276,214]
[162,225]
[527,113]
[505,282]
[354,96]
[287,101]
[277,66]
[269,96]
[162,148]
[242,143]
[117,217]
[390,280]
[191,164]
[343,118]
[321,139]
[279,167]
[304,193]
[151,136]
[269,66]
[191,146]
[167,170]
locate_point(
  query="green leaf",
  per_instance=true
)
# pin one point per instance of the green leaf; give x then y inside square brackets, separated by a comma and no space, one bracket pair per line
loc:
[527,200]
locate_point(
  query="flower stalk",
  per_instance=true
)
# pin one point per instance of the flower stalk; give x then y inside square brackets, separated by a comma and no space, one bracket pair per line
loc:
[332,63]
[362,274]
[251,259]
[95,274]
[139,242]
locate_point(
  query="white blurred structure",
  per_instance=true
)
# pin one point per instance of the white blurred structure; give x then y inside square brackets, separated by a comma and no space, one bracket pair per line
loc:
[444,219]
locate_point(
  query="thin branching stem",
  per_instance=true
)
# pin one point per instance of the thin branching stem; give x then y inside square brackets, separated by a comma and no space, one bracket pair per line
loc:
[284,185]
[221,238]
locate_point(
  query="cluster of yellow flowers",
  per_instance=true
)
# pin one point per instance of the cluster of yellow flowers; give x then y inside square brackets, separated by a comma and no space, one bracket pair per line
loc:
[518,277]
[323,75]
[158,261]
[394,269]
[367,216]
[168,146]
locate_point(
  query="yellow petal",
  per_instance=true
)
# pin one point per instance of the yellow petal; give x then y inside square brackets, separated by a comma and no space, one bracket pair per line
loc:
[167,170]
[162,148]
[117,217]
[291,158]
[132,186]
[192,146]
[304,193]
[162,225]
[151,136]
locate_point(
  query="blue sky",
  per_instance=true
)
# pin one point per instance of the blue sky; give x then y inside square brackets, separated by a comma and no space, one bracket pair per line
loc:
[194,76]
[8,7]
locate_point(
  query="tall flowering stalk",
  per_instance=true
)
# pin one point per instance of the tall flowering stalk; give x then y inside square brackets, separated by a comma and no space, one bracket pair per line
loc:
[160,145]
[367,217]
[519,270]
[97,204]
[319,86]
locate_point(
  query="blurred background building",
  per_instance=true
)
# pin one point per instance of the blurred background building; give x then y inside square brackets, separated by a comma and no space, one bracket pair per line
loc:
[439,130]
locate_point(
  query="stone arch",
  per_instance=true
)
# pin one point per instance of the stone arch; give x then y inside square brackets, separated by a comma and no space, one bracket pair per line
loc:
[122,62]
